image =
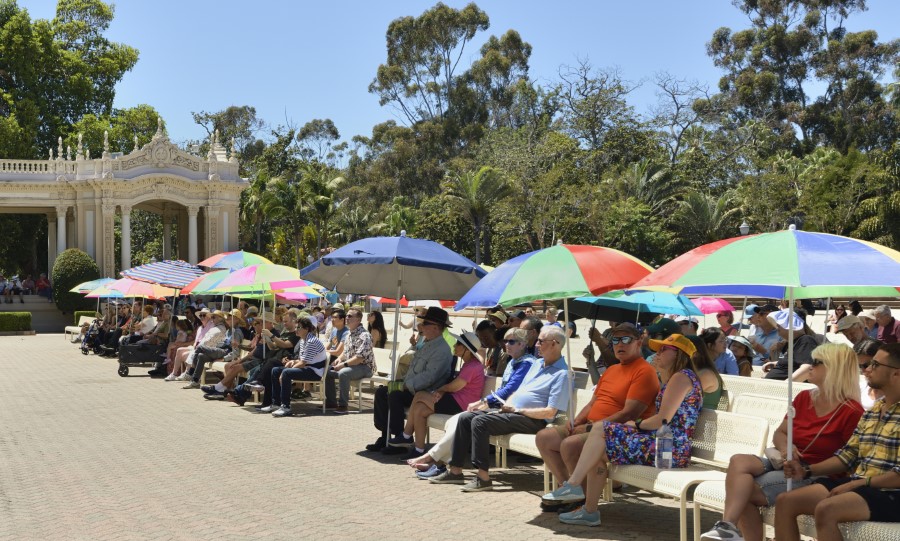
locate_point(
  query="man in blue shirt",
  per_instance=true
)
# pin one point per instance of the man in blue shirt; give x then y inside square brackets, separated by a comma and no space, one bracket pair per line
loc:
[763,335]
[536,402]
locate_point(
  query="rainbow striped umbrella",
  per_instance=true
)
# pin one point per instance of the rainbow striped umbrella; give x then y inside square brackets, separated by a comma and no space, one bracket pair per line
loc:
[136,288]
[205,284]
[234,260]
[257,279]
[778,265]
[89,287]
[559,272]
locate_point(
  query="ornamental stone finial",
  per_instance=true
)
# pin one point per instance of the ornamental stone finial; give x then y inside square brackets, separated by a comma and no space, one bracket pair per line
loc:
[105,141]
[59,153]
[216,137]
[87,154]
[135,143]
[79,149]
[159,127]
[51,154]
[68,152]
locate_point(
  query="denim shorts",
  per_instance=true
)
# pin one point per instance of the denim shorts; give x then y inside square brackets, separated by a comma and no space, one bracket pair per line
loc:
[773,483]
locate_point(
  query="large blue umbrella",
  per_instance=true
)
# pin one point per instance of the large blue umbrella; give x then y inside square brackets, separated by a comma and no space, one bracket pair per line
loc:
[396,267]
[621,307]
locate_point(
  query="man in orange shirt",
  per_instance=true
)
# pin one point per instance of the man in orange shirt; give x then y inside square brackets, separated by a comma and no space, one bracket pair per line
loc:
[625,392]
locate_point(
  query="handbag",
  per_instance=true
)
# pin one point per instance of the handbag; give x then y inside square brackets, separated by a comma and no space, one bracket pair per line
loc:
[777,459]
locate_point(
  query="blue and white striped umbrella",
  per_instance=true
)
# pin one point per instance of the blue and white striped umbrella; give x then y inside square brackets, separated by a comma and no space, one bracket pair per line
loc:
[169,273]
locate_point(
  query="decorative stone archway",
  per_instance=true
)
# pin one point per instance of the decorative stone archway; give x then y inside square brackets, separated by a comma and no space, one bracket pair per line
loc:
[81,196]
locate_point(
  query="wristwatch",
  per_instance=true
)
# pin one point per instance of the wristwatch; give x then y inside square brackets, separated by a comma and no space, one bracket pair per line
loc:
[637,423]
[807,471]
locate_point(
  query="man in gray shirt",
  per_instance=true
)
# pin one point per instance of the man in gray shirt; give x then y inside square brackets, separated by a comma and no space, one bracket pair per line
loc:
[430,368]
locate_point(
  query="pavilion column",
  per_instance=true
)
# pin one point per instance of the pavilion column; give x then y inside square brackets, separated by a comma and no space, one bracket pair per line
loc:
[167,236]
[51,242]
[192,211]
[108,244]
[61,212]
[126,237]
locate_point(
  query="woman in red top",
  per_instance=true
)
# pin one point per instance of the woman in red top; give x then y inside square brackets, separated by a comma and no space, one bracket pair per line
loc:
[726,322]
[824,421]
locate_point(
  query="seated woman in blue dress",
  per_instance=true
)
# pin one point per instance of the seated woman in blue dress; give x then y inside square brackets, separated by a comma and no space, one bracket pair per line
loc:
[679,401]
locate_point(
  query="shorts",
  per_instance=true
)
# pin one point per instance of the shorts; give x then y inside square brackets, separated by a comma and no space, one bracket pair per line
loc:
[447,405]
[883,504]
[251,363]
[773,483]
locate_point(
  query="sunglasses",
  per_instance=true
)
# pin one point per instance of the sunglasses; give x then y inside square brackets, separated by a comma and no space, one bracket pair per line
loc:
[428,324]
[542,340]
[817,362]
[616,340]
[511,342]
[873,364]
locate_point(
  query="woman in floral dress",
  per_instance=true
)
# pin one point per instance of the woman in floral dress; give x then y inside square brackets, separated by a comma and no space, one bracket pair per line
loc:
[679,402]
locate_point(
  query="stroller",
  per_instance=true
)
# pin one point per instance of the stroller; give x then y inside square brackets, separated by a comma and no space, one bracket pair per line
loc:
[91,341]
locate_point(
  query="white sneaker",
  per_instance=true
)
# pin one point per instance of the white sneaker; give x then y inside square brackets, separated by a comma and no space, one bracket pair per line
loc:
[283,411]
[183,377]
[269,409]
[171,377]
[723,531]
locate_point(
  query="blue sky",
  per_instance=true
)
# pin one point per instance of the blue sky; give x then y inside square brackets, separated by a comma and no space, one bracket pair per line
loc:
[299,60]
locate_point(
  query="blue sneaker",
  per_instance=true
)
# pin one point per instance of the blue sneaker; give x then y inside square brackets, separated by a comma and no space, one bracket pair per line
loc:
[433,471]
[580,517]
[565,493]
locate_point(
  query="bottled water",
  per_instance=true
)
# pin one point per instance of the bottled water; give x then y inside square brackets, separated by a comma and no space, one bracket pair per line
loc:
[664,443]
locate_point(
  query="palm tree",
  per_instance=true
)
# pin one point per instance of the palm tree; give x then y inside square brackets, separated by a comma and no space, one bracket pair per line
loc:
[352,223]
[473,196]
[321,191]
[652,184]
[399,217]
[252,206]
[704,218]
[285,202]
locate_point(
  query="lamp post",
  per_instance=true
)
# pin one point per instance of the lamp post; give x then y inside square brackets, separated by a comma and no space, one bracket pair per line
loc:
[744,228]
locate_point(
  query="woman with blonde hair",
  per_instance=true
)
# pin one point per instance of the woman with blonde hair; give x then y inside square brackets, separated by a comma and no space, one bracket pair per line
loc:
[824,419]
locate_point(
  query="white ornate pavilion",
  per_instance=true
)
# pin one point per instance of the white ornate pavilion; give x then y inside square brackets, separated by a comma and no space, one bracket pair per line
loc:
[81,196]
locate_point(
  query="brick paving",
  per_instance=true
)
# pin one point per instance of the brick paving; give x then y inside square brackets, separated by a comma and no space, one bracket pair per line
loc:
[86,454]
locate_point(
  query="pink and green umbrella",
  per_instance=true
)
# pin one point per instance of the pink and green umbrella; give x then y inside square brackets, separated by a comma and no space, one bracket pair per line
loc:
[559,272]
[206,283]
[234,260]
[136,288]
[257,279]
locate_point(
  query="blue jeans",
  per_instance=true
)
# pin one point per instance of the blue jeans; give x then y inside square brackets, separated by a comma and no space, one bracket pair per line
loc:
[281,392]
[344,376]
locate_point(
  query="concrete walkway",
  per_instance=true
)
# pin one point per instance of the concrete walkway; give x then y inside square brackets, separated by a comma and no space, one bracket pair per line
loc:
[86,454]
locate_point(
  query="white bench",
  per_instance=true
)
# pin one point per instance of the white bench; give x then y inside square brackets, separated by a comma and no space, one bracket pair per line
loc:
[711,495]
[73,331]
[717,436]
[738,385]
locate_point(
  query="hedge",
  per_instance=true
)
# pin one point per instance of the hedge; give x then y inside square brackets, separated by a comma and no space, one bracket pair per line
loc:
[15,321]
[73,267]
[87,313]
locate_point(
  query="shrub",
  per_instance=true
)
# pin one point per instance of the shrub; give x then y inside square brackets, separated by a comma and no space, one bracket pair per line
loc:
[15,321]
[73,267]
[87,313]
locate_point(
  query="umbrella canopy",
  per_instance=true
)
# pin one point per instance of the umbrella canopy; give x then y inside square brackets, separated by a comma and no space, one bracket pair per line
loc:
[420,268]
[90,286]
[136,288]
[642,306]
[813,265]
[205,283]
[711,305]
[559,272]
[169,273]
[234,260]
[256,279]
[104,292]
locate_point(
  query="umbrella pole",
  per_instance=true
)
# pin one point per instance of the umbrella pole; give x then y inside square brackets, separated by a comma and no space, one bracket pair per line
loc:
[594,369]
[827,309]
[570,408]
[790,408]
[741,321]
[387,428]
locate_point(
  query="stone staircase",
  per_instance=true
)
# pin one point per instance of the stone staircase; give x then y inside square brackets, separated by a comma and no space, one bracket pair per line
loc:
[45,317]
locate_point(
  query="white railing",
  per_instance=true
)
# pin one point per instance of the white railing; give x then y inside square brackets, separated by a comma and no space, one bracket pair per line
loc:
[27,167]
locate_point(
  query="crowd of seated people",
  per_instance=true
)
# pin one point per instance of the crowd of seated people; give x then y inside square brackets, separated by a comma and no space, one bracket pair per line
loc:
[668,370]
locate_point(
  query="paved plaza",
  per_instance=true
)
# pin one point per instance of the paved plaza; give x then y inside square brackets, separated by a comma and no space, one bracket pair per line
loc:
[87,454]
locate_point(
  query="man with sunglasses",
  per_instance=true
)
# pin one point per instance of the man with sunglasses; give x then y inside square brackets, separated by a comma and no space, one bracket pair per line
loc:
[430,368]
[627,391]
[872,492]
[536,402]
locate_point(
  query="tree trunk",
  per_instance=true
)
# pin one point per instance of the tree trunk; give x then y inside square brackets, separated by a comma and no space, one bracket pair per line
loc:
[259,235]
[477,229]
[488,256]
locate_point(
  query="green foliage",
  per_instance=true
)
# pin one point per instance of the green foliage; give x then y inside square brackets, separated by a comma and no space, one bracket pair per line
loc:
[84,313]
[123,126]
[72,267]
[473,195]
[15,321]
